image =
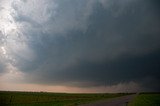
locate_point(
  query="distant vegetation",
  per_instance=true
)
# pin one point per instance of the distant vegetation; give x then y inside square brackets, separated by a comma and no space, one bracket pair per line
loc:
[146,99]
[50,99]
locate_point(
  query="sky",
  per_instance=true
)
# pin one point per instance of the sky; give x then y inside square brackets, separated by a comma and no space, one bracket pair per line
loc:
[80,45]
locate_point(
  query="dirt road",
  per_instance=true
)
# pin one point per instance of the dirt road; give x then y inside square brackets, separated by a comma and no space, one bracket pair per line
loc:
[119,101]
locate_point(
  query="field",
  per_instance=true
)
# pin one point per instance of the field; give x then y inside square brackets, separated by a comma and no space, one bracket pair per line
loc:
[50,99]
[146,99]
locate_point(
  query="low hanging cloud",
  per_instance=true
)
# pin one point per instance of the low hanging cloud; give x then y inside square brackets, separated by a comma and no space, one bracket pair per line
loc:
[83,43]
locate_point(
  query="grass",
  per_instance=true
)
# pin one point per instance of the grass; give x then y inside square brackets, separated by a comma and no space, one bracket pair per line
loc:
[50,99]
[146,99]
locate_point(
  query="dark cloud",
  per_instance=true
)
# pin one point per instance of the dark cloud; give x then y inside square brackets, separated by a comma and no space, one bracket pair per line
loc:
[124,69]
[118,46]
[87,43]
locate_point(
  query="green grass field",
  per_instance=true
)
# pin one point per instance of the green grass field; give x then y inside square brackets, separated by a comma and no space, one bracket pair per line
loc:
[50,99]
[146,99]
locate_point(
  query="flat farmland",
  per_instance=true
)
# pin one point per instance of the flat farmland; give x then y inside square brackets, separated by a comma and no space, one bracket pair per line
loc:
[8,98]
[146,99]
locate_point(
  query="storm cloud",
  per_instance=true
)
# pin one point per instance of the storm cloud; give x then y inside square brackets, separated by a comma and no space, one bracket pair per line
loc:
[84,43]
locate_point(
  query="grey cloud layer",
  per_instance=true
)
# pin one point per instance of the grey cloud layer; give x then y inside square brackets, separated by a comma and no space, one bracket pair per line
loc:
[92,42]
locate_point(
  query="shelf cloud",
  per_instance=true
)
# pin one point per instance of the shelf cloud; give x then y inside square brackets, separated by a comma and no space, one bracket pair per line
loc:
[79,43]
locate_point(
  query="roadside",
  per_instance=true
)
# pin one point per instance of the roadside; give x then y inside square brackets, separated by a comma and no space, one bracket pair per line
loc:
[118,101]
